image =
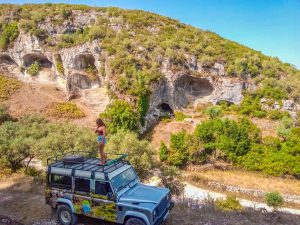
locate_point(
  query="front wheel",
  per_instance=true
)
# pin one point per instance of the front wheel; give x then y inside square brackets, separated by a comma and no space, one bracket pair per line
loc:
[66,216]
[135,221]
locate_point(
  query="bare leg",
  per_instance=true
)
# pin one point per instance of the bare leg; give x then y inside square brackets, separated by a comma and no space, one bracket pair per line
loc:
[101,153]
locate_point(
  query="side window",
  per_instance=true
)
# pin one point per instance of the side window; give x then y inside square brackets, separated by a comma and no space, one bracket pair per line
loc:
[102,188]
[82,185]
[60,181]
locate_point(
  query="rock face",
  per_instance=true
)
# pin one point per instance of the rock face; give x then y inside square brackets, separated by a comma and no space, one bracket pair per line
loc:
[69,69]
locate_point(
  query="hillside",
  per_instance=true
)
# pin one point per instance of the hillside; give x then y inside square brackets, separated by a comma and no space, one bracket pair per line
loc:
[176,98]
[136,55]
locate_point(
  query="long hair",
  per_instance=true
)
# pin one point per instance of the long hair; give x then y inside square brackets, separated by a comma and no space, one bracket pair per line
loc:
[100,122]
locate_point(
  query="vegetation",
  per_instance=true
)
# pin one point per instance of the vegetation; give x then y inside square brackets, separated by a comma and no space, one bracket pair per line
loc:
[143,39]
[34,68]
[180,116]
[34,137]
[120,115]
[66,110]
[238,142]
[59,64]
[140,152]
[229,204]
[274,199]
[7,87]
[4,115]
[8,33]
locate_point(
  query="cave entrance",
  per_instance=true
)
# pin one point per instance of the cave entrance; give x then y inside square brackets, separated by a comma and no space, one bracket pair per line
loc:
[81,81]
[6,59]
[86,62]
[194,87]
[165,110]
[33,57]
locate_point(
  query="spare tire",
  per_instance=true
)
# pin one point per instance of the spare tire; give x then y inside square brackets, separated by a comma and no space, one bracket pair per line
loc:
[73,159]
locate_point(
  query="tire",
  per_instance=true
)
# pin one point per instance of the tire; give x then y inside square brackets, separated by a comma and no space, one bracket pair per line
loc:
[65,215]
[73,159]
[135,221]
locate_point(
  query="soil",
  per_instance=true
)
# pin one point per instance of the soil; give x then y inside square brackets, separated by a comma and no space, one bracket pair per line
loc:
[35,98]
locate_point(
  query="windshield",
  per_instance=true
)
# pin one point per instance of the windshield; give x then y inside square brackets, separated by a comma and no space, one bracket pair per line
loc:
[123,179]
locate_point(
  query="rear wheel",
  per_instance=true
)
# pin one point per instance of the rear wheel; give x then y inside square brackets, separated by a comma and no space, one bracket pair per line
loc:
[135,221]
[66,216]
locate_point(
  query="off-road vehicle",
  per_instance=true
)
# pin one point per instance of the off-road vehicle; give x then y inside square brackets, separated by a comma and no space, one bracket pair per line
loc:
[111,192]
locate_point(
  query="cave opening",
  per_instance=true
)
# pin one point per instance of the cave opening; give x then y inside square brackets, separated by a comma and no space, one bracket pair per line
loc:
[84,61]
[6,59]
[165,109]
[36,57]
[194,87]
[81,81]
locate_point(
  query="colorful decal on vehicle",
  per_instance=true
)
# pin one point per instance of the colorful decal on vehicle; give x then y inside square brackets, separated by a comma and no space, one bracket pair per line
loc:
[98,206]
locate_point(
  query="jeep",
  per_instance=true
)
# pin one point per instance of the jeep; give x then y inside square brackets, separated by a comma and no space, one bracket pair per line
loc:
[110,192]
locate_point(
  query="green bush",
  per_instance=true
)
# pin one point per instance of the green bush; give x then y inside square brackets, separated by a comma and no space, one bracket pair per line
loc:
[59,64]
[143,106]
[4,115]
[274,199]
[214,111]
[34,68]
[163,152]
[34,137]
[231,203]
[9,33]
[120,115]
[140,152]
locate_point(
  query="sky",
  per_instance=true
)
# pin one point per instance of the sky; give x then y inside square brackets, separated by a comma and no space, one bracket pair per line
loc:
[269,26]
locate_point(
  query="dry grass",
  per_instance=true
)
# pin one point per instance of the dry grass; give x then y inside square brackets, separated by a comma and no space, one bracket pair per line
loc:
[252,180]
[65,110]
[7,87]
[205,215]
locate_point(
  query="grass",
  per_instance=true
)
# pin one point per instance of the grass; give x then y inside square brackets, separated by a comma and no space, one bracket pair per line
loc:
[65,110]
[204,214]
[251,180]
[7,87]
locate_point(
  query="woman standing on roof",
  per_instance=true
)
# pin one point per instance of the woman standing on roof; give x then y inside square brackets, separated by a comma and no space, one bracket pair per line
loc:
[101,133]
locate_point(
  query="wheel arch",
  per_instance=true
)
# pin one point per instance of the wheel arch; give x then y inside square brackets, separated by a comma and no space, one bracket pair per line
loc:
[63,201]
[137,215]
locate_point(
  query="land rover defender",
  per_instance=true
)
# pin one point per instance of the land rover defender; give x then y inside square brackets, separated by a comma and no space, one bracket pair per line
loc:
[111,192]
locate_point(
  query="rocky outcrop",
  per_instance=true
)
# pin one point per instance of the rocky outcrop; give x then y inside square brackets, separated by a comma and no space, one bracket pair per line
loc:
[70,69]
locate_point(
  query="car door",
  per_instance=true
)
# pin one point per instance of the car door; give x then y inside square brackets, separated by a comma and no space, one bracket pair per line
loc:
[104,206]
[82,200]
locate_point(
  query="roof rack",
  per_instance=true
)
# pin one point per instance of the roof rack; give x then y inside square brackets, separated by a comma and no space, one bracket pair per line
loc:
[91,164]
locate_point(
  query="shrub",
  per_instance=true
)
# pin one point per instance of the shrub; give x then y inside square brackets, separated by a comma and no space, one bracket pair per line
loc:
[120,115]
[140,152]
[180,116]
[163,152]
[34,68]
[178,149]
[229,204]
[143,106]
[66,110]
[4,115]
[274,199]
[59,64]
[7,87]
[9,33]
[214,111]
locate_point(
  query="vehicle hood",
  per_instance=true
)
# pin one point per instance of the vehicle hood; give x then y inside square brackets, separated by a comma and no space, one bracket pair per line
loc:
[141,193]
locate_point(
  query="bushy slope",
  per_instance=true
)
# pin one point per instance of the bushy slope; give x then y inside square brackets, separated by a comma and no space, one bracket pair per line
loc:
[139,41]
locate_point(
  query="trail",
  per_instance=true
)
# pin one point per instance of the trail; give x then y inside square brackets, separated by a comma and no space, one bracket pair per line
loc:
[197,193]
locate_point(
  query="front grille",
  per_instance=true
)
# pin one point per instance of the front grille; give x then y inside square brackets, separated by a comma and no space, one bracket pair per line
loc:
[162,205]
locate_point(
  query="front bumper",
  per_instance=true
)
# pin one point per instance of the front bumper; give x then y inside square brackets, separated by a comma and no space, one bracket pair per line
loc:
[164,216]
